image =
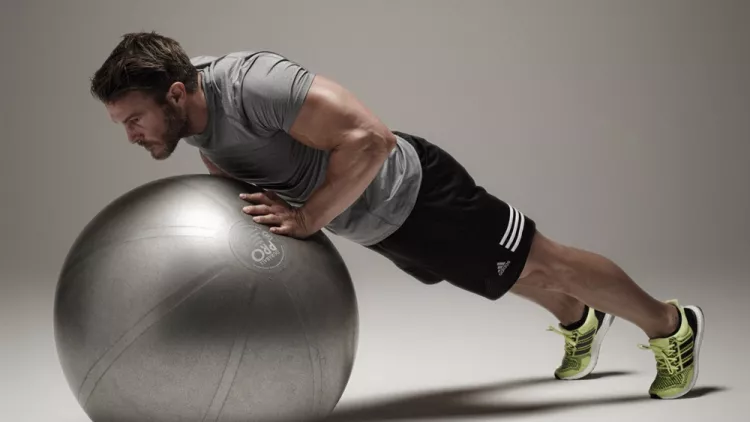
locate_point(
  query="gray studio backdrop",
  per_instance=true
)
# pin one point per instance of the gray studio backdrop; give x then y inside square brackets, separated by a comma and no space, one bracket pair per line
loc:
[620,126]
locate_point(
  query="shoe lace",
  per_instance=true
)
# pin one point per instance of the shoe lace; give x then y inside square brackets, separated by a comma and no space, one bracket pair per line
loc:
[667,357]
[571,339]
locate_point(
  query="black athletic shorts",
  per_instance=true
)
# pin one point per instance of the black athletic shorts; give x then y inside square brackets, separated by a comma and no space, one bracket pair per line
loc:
[457,231]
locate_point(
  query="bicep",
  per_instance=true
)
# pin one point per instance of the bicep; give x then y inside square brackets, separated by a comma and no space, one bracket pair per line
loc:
[331,115]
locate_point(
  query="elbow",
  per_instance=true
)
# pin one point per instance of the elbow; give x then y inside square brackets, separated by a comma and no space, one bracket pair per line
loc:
[380,142]
[389,139]
[374,144]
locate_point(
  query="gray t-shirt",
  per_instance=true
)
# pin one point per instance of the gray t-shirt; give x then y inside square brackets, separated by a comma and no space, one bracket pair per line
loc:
[253,99]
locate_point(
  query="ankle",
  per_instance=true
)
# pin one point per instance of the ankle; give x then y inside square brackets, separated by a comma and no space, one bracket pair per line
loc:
[671,322]
[574,315]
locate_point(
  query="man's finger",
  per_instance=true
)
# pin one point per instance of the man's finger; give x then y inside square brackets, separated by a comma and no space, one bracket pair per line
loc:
[257,197]
[267,219]
[283,230]
[257,209]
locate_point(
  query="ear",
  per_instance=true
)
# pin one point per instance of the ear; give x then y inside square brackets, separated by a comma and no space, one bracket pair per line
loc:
[177,93]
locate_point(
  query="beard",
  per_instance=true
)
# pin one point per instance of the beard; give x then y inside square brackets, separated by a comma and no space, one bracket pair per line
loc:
[176,124]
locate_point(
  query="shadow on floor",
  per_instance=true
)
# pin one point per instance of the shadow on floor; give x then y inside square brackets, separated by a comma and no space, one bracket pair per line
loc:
[460,402]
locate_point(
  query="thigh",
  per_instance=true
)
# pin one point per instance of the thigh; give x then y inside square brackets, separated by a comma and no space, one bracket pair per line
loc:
[474,251]
[458,232]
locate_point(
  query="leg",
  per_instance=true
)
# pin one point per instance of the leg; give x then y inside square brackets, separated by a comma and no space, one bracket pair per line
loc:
[583,328]
[598,282]
[675,332]
[459,233]
[566,309]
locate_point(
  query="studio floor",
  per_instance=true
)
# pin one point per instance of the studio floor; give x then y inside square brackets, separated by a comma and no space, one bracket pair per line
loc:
[438,354]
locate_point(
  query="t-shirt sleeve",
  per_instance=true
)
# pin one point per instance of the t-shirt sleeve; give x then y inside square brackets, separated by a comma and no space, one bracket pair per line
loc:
[273,91]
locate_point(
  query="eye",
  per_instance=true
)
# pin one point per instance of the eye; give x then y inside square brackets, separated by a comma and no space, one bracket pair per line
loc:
[133,121]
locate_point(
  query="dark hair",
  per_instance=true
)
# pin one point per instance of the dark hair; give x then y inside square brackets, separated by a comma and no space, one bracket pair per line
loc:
[146,62]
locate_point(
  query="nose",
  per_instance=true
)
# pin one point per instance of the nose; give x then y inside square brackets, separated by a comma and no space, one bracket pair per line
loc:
[133,136]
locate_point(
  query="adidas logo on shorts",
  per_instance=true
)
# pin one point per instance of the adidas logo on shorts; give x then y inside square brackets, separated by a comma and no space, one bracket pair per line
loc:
[502,266]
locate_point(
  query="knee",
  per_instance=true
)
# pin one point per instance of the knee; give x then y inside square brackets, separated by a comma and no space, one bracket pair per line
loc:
[551,266]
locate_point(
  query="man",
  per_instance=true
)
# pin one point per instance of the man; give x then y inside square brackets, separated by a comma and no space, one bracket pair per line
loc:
[325,160]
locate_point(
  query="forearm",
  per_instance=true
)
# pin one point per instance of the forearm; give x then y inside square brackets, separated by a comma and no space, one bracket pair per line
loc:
[351,168]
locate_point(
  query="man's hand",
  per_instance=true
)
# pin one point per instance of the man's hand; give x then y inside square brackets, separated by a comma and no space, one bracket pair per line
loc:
[277,213]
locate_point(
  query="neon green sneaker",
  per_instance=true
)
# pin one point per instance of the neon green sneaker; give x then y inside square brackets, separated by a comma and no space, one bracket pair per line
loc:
[582,345]
[677,356]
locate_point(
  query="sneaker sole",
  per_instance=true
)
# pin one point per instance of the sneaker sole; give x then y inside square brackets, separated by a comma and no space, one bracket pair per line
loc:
[700,322]
[598,339]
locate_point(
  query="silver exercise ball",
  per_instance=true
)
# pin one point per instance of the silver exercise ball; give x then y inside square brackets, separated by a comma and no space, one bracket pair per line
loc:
[173,305]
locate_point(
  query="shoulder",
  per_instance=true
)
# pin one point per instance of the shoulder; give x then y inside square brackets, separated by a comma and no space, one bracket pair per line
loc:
[241,62]
[260,72]
[262,88]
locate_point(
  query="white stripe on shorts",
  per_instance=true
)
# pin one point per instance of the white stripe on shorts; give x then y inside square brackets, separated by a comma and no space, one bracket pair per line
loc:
[514,231]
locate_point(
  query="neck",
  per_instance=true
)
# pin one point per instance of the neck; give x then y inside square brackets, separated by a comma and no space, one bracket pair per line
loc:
[197,110]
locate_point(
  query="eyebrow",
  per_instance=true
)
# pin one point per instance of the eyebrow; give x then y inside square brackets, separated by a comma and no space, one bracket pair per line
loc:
[130,116]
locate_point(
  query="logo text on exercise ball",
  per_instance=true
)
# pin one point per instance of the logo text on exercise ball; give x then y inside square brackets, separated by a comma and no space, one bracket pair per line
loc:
[265,251]
[256,248]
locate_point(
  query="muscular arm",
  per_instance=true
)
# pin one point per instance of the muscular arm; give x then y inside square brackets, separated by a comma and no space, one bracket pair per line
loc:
[279,94]
[332,119]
